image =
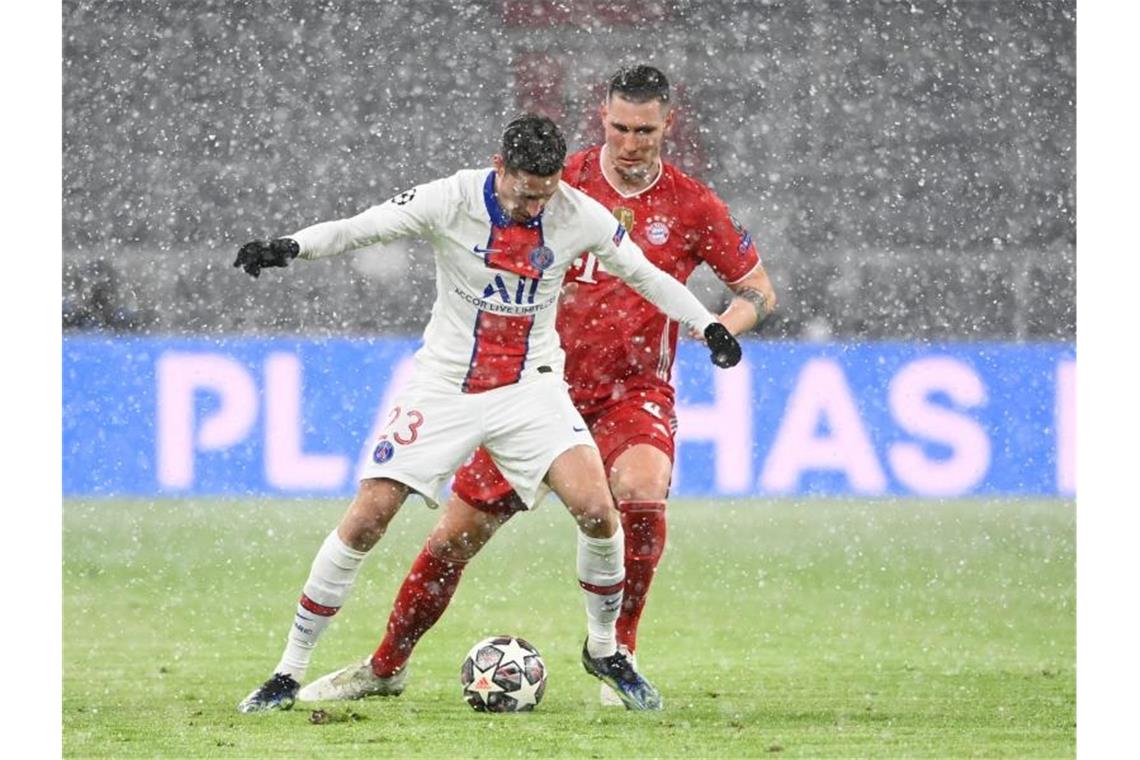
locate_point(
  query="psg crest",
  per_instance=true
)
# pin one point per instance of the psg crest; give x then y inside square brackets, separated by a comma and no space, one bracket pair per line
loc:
[541,258]
[383,452]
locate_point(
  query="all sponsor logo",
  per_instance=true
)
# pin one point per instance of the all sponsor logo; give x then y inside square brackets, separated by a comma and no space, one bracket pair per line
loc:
[497,299]
[523,293]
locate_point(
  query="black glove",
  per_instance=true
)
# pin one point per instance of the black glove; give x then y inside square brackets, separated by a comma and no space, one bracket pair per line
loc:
[722,345]
[258,254]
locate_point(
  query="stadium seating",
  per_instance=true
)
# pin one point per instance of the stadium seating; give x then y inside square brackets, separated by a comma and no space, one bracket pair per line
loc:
[904,173]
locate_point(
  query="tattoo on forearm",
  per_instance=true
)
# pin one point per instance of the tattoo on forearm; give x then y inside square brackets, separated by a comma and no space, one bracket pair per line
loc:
[757,299]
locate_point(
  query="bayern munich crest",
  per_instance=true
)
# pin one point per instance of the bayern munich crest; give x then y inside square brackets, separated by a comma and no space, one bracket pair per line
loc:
[541,258]
[383,452]
[657,232]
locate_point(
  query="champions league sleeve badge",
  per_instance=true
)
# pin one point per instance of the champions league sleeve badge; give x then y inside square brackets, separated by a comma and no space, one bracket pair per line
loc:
[404,198]
[745,235]
[619,235]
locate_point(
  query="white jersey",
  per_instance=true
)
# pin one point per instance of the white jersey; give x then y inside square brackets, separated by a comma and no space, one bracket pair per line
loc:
[498,282]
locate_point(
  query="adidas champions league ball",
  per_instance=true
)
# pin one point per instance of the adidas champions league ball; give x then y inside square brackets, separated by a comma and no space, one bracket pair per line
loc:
[503,674]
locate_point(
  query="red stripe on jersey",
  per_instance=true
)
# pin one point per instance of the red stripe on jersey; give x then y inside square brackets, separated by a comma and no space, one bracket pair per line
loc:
[501,345]
[510,249]
[602,590]
[318,609]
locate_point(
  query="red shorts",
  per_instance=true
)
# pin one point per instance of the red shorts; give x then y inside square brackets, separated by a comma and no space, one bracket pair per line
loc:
[642,417]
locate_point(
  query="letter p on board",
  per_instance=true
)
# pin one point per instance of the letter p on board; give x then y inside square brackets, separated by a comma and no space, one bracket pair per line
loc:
[180,436]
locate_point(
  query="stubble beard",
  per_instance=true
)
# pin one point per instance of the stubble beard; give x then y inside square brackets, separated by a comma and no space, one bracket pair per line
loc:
[633,173]
[636,176]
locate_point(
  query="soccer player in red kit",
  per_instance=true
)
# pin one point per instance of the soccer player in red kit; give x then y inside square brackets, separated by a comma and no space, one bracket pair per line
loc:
[619,354]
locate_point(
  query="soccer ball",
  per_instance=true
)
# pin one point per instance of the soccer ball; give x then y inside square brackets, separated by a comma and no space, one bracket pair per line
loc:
[503,674]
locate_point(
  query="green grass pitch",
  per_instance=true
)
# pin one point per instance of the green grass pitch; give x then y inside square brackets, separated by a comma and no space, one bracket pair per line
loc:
[775,629]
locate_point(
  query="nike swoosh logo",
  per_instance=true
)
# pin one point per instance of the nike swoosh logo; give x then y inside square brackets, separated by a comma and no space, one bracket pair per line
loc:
[480,250]
[578,429]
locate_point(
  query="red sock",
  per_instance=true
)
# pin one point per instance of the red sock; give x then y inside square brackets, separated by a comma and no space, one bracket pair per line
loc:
[423,597]
[644,526]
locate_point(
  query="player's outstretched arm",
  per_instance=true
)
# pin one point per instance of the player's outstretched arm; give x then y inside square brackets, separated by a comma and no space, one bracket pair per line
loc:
[261,254]
[623,258]
[413,213]
[754,299]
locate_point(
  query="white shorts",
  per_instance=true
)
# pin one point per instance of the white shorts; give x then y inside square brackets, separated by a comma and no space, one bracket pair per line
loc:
[433,428]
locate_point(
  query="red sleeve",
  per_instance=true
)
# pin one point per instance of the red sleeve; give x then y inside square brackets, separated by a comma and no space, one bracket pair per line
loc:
[723,243]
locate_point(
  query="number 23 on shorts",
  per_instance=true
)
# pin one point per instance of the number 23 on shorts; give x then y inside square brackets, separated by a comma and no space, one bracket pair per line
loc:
[407,431]
[404,427]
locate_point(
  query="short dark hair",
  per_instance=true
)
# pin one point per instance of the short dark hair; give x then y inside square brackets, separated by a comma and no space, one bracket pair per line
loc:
[639,84]
[534,144]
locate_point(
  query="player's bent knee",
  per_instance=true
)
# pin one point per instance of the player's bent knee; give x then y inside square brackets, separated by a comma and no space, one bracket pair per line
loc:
[600,521]
[381,495]
[376,503]
[642,472]
[640,486]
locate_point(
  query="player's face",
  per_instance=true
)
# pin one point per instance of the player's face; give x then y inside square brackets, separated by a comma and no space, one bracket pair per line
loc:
[634,135]
[523,195]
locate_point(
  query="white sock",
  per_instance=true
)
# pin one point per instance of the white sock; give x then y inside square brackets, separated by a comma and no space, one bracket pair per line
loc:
[601,574]
[330,579]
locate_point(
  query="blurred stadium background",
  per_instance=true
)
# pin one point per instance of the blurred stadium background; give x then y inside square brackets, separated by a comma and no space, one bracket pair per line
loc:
[907,169]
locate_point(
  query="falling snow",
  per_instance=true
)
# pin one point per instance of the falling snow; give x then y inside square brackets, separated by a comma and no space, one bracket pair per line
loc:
[907,169]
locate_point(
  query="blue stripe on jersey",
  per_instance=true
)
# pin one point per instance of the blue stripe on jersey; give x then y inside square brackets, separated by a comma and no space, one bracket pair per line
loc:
[499,218]
[474,351]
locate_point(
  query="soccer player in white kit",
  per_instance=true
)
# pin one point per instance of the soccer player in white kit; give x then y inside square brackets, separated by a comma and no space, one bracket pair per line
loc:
[489,374]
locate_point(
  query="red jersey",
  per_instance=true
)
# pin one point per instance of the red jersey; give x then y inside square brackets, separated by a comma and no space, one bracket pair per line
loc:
[616,341]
